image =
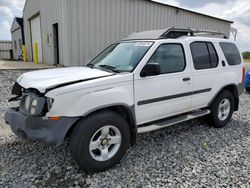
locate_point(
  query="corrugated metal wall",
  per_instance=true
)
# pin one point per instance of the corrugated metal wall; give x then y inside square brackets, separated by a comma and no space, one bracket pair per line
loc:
[91,25]
[5,47]
[88,26]
[17,45]
[50,12]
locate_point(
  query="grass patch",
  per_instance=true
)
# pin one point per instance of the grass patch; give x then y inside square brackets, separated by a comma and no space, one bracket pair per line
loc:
[247,60]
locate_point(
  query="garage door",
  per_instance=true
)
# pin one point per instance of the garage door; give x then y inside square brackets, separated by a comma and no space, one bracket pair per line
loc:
[36,36]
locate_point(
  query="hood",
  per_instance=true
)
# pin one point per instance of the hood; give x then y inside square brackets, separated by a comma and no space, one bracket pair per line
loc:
[51,78]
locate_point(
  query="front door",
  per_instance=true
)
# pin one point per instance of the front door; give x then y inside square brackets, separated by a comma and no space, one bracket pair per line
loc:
[169,93]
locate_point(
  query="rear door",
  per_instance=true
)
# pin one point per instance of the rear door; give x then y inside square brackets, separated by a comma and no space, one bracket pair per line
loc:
[169,93]
[208,74]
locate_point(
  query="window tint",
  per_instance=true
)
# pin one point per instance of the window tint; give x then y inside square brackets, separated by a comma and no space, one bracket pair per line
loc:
[204,55]
[123,57]
[200,55]
[213,55]
[231,53]
[170,57]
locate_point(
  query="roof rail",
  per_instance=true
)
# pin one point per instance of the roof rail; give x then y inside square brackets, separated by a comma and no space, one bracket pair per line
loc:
[174,33]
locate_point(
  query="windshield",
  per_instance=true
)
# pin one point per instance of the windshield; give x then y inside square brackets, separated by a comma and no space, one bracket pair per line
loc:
[121,57]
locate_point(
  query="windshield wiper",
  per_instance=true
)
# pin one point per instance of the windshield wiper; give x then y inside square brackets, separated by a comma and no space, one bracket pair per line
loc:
[109,68]
[90,65]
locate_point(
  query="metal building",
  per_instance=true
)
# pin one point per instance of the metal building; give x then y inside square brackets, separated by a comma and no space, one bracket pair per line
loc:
[73,32]
[17,35]
[6,50]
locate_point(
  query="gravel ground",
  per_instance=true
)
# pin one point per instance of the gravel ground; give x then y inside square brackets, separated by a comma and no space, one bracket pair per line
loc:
[190,154]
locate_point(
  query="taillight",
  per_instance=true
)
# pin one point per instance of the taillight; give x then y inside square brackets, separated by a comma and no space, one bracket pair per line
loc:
[243,74]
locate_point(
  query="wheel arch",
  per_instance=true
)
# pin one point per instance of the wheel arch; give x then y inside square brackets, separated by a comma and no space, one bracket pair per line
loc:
[231,88]
[127,112]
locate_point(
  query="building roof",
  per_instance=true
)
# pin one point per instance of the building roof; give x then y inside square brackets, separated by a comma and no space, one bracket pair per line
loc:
[5,41]
[19,21]
[16,24]
[178,8]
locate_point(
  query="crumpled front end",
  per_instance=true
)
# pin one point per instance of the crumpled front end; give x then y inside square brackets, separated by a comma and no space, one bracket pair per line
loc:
[39,127]
[29,119]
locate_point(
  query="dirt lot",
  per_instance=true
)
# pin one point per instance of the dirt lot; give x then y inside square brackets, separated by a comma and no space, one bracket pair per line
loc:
[190,154]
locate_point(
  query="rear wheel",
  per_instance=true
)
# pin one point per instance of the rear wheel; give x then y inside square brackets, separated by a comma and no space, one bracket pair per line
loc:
[100,141]
[221,109]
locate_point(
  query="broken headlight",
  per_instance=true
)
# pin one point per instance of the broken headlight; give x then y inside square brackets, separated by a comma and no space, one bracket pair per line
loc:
[32,104]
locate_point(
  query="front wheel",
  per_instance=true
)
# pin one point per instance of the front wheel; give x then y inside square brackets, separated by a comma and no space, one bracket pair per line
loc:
[99,142]
[221,109]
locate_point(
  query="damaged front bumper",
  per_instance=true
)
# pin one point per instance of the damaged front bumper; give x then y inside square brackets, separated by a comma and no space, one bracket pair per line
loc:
[38,127]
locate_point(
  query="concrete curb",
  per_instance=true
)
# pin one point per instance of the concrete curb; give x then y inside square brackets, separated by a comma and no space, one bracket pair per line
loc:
[17,65]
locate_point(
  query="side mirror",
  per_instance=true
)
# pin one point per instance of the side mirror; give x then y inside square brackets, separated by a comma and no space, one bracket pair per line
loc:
[151,69]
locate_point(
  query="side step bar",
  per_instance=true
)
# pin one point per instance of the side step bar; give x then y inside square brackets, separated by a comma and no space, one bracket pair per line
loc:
[172,121]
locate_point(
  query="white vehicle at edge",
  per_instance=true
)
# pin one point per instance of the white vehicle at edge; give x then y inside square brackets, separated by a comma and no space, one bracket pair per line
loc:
[146,82]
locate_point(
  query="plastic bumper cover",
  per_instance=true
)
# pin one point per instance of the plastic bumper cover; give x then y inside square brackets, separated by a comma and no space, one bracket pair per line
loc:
[39,128]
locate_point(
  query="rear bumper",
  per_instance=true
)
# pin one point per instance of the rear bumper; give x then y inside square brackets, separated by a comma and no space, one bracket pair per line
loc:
[39,128]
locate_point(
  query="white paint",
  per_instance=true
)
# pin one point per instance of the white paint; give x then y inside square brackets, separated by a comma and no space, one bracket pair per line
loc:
[44,79]
[128,89]
[36,36]
[161,86]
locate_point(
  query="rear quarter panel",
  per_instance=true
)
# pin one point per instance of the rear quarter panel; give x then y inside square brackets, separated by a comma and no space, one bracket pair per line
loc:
[215,79]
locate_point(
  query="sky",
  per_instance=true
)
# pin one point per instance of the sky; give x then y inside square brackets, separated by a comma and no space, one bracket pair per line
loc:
[234,10]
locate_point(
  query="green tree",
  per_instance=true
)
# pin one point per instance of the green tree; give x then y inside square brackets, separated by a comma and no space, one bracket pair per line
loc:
[246,55]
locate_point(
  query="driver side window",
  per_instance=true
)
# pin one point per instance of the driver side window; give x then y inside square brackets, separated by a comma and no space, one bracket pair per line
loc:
[170,57]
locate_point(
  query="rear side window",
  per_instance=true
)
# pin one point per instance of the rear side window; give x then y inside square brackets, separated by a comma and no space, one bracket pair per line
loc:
[231,53]
[204,55]
[213,55]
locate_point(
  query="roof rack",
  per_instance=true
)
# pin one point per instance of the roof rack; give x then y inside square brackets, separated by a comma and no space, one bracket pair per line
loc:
[174,33]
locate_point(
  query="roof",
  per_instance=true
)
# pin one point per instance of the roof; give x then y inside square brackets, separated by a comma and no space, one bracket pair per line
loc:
[152,34]
[179,8]
[164,4]
[19,22]
[5,41]
[173,33]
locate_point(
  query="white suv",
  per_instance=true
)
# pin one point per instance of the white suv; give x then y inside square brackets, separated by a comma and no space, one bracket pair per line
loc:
[146,82]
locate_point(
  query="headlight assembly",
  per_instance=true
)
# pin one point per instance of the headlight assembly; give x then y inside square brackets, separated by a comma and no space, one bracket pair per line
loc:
[27,102]
[32,104]
[33,111]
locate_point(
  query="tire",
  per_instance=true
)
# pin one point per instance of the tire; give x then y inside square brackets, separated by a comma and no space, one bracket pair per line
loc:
[91,130]
[248,89]
[216,118]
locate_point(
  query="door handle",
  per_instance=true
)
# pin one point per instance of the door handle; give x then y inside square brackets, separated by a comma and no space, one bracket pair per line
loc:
[186,79]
